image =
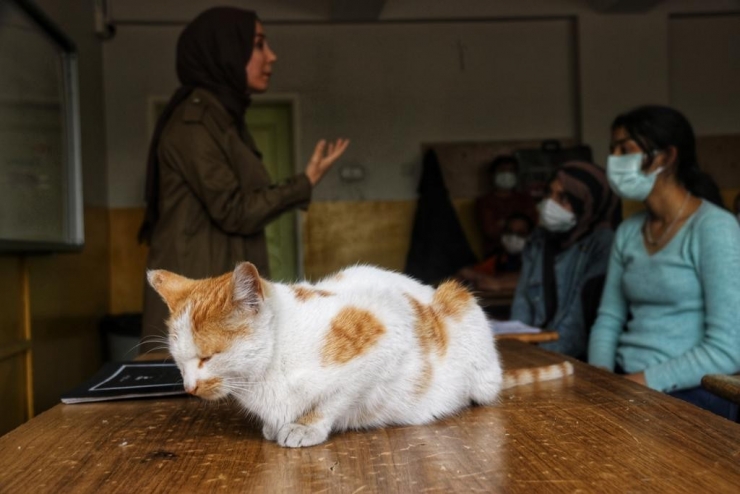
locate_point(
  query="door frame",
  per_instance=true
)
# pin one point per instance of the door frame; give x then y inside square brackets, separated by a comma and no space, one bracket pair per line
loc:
[293,101]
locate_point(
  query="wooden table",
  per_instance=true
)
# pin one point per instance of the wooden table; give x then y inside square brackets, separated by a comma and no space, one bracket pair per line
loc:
[593,432]
[541,337]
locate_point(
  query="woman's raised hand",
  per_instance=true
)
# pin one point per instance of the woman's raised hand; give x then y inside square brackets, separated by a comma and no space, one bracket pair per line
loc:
[324,156]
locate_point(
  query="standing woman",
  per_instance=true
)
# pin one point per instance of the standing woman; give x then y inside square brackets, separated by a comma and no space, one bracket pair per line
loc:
[209,197]
[569,250]
[670,311]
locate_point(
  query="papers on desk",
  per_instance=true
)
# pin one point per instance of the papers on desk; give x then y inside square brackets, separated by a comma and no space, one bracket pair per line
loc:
[126,380]
[511,327]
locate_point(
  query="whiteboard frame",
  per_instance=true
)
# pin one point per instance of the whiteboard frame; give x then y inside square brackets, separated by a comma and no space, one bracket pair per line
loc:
[73,238]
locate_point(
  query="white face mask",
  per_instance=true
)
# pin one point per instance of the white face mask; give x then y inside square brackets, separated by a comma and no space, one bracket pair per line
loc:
[626,177]
[505,180]
[513,243]
[554,217]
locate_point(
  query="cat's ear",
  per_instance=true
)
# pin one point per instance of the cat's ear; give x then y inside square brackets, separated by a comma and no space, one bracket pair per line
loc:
[172,287]
[248,290]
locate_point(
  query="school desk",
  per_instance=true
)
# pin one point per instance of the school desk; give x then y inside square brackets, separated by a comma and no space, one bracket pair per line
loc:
[593,432]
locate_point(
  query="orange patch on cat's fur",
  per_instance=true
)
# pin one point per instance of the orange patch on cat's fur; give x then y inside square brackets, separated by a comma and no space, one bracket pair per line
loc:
[206,387]
[424,380]
[430,330]
[173,288]
[353,331]
[527,375]
[451,299]
[212,305]
[311,417]
[303,293]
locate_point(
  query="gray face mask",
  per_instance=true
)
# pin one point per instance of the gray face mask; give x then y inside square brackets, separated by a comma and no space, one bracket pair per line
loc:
[626,177]
[556,218]
[505,180]
[513,243]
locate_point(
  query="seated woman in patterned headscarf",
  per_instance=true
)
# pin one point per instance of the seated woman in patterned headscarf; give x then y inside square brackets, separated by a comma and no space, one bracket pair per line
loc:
[569,249]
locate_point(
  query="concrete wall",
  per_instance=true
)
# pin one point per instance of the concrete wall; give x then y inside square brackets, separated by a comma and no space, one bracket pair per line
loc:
[439,71]
[388,87]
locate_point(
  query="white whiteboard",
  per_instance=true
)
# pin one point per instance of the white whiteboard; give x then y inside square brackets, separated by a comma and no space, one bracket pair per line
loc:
[40,172]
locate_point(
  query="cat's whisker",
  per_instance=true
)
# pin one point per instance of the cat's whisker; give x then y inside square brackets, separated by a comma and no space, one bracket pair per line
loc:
[244,383]
[158,344]
[233,389]
[153,339]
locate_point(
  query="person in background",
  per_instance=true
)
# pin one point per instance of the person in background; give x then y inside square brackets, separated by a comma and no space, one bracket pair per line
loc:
[209,196]
[670,311]
[493,208]
[570,247]
[502,268]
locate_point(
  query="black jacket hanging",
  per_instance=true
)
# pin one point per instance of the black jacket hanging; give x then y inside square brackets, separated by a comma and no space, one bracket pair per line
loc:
[438,247]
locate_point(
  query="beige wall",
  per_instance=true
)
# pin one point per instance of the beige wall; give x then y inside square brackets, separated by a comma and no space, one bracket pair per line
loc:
[388,87]
[430,70]
[435,70]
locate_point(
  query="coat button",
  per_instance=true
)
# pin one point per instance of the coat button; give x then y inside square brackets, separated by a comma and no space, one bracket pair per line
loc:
[196,100]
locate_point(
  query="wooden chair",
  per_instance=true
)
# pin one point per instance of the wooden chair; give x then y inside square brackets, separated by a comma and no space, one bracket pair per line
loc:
[725,386]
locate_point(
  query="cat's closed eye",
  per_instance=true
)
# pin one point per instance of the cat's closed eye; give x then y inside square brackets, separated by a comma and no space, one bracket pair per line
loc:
[203,360]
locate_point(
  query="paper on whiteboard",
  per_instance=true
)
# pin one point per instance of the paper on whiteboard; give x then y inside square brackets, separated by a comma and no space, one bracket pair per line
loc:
[509,327]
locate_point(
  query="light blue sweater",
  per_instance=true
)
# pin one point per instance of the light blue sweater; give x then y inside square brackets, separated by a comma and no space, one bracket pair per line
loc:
[675,314]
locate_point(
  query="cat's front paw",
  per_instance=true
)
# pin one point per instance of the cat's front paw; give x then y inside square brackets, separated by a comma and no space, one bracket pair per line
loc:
[298,435]
[269,432]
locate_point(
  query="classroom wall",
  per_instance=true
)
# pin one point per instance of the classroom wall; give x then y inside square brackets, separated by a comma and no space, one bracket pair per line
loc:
[387,87]
[437,70]
[429,71]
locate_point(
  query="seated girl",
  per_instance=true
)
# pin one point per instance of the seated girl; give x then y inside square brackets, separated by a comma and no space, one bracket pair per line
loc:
[500,271]
[670,311]
[571,247]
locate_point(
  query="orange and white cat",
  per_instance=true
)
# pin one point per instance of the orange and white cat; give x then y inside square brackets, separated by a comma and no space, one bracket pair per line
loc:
[364,348]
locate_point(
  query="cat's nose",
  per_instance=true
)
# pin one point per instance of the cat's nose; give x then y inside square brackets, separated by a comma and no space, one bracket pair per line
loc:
[193,390]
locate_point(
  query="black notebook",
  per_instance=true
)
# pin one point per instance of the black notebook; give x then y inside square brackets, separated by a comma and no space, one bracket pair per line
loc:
[126,380]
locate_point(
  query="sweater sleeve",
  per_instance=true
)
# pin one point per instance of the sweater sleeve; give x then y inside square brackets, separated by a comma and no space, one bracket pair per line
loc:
[206,169]
[602,346]
[716,252]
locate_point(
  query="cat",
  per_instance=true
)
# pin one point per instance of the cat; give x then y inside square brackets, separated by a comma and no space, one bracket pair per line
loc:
[363,348]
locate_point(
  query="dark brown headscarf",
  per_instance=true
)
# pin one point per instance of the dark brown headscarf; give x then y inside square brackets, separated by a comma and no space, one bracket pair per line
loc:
[595,207]
[212,53]
[594,203]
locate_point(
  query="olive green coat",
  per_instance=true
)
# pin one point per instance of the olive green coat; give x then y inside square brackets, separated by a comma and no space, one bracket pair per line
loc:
[215,199]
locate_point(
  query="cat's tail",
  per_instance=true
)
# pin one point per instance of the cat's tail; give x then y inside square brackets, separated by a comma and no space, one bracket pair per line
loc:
[528,375]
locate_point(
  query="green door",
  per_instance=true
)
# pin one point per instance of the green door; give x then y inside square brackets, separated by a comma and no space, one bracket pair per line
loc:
[271,127]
